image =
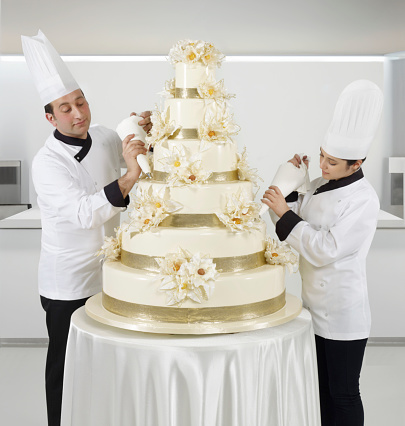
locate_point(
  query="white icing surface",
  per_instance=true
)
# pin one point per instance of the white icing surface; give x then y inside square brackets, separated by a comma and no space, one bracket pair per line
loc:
[135,286]
[190,76]
[216,242]
[186,113]
[203,199]
[218,158]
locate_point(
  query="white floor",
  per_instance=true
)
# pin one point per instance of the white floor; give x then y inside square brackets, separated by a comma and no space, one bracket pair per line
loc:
[22,395]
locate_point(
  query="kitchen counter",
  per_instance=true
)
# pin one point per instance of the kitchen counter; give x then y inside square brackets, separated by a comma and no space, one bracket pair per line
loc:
[31,219]
[28,219]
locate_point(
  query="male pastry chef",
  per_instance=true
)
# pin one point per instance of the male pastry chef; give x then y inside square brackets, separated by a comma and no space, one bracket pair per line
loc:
[80,191]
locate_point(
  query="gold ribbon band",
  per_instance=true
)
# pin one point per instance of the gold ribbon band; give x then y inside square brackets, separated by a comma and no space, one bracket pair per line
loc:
[185,134]
[229,176]
[223,264]
[196,315]
[184,93]
[191,221]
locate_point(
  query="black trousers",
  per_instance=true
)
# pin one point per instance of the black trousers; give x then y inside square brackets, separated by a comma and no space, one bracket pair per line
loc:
[58,313]
[339,366]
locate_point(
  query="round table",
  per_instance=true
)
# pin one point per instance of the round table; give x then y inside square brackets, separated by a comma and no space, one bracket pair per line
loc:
[117,377]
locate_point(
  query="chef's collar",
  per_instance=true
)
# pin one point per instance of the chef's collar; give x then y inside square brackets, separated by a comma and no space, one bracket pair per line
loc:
[335,184]
[84,143]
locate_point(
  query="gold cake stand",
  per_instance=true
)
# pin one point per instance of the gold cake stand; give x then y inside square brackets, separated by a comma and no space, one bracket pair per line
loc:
[96,310]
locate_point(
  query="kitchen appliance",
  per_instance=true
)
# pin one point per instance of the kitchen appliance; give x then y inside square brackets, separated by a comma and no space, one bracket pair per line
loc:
[10,189]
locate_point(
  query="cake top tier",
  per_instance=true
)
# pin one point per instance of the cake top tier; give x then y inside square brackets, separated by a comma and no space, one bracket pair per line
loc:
[194,52]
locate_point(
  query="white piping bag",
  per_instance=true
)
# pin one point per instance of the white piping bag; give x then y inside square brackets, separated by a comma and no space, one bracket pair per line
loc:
[128,126]
[289,179]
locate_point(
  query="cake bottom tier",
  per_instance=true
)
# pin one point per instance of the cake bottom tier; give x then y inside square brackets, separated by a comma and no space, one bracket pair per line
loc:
[238,296]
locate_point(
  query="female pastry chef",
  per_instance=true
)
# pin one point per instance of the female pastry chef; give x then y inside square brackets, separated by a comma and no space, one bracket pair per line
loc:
[332,227]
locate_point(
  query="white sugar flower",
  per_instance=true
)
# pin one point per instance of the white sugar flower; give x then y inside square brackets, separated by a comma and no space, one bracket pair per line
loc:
[211,89]
[162,127]
[120,230]
[193,51]
[217,126]
[186,276]
[191,54]
[183,168]
[169,90]
[186,51]
[211,56]
[200,270]
[149,208]
[174,158]
[244,171]
[111,249]
[280,253]
[240,214]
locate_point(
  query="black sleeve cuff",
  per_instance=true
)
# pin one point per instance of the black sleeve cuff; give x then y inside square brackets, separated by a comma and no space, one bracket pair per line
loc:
[292,197]
[286,224]
[114,195]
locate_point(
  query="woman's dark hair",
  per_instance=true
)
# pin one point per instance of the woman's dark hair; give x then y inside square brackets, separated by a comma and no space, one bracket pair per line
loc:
[351,162]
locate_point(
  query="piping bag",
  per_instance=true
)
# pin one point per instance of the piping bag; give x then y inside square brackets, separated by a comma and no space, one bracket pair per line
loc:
[128,126]
[289,179]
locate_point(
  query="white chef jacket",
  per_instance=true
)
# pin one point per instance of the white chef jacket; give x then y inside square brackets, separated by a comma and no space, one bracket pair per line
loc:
[79,198]
[332,227]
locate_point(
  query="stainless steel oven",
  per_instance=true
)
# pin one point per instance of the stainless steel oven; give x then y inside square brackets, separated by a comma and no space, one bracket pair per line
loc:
[10,189]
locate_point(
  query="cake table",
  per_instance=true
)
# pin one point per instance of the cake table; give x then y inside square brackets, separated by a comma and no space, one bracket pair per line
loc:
[117,377]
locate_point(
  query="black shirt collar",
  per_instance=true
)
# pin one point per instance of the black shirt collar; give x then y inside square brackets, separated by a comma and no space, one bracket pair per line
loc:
[84,143]
[335,184]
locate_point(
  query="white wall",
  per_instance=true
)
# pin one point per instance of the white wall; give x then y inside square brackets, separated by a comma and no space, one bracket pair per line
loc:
[237,27]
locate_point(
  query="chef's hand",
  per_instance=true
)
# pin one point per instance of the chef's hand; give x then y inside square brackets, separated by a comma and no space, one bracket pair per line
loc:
[146,122]
[296,160]
[130,150]
[275,200]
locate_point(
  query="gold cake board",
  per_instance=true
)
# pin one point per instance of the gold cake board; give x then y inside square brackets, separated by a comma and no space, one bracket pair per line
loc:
[96,310]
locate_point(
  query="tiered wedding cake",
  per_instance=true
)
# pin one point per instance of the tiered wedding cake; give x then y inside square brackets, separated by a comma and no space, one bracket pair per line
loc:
[193,257]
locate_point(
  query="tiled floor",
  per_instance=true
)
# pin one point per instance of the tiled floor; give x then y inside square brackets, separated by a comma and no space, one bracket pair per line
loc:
[22,395]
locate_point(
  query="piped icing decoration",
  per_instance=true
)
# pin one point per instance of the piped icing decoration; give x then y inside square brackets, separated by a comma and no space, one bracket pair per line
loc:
[195,51]
[149,208]
[187,276]
[244,171]
[280,253]
[240,214]
[162,127]
[182,167]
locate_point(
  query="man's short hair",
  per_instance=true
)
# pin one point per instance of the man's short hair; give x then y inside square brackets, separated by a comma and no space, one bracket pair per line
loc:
[49,108]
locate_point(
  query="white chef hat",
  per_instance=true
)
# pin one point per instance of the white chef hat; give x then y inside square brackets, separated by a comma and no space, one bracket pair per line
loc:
[51,75]
[355,121]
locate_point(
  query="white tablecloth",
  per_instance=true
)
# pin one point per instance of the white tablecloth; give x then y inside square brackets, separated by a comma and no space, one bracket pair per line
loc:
[117,377]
